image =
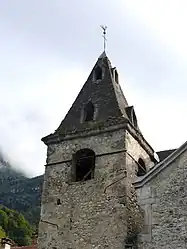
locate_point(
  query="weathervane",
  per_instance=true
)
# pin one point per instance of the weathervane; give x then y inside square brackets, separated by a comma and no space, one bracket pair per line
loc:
[104,28]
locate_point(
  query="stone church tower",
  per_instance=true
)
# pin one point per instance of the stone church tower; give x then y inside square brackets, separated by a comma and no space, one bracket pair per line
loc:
[93,158]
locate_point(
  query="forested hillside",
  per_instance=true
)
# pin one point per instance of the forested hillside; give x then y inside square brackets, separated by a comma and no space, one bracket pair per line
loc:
[15,227]
[19,192]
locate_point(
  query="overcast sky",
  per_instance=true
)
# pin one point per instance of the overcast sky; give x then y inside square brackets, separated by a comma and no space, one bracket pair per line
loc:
[48,48]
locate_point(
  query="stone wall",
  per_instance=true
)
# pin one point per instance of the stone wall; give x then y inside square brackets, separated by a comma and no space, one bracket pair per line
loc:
[98,213]
[134,152]
[91,214]
[164,201]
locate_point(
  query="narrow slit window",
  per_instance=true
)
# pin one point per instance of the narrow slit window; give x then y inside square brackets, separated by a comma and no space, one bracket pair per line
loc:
[89,112]
[116,76]
[58,202]
[141,167]
[98,73]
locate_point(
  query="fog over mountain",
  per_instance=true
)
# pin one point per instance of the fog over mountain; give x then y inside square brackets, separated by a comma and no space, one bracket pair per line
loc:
[47,49]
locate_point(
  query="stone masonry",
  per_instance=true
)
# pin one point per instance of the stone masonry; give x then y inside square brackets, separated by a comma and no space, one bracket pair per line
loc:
[92,214]
[92,195]
[162,194]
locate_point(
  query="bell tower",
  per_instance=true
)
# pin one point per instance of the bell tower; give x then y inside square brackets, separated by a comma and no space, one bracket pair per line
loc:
[93,157]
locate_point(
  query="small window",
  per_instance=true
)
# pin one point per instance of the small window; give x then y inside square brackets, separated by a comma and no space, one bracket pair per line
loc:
[89,112]
[141,167]
[116,76]
[58,202]
[134,119]
[98,73]
[83,165]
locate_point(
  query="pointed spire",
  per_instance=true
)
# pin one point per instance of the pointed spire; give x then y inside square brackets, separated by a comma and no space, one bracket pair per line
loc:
[103,55]
[103,93]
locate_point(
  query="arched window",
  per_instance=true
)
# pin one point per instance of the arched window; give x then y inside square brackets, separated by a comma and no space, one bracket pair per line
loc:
[98,73]
[83,165]
[89,112]
[141,167]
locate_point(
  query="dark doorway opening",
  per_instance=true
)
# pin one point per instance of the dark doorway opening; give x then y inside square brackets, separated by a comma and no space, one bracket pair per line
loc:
[84,165]
[141,167]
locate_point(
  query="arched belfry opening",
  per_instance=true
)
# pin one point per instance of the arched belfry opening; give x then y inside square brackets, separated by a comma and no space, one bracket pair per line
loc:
[141,167]
[98,73]
[83,165]
[89,112]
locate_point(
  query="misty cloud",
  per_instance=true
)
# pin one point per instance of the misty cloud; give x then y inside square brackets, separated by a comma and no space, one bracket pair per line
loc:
[48,48]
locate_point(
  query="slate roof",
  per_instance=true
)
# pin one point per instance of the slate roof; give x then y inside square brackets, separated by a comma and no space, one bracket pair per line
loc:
[107,97]
[105,94]
[165,153]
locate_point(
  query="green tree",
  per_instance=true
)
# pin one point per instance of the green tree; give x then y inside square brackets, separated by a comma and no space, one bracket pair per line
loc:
[16,226]
[2,233]
[3,219]
[22,236]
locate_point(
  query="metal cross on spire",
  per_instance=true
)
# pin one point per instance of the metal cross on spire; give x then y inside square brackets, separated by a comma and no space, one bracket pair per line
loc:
[104,28]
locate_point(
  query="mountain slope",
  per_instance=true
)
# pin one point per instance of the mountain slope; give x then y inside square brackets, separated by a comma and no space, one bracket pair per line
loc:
[19,192]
